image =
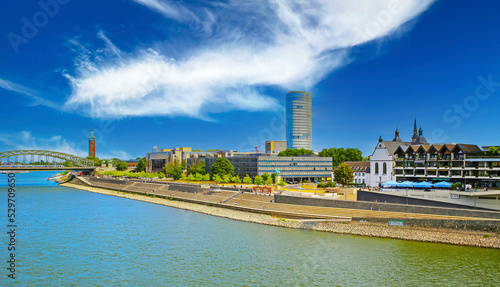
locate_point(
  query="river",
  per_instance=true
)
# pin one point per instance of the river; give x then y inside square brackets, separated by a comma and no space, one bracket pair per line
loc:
[71,237]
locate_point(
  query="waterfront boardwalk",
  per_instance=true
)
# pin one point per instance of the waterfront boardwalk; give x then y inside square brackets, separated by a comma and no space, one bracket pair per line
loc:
[263,203]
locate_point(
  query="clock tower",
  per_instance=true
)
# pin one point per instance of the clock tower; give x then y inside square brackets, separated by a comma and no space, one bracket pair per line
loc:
[92,143]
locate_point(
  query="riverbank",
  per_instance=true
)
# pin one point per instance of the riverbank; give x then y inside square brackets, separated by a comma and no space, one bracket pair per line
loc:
[478,239]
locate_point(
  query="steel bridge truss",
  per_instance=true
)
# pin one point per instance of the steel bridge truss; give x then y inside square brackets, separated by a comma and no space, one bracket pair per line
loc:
[78,161]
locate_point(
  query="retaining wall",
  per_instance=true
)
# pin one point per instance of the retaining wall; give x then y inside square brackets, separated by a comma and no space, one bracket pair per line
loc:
[321,202]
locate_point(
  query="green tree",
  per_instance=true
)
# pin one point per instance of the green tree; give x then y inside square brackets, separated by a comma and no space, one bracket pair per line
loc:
[141,165]
[343,174]
[247,180]
[273,176]
[226,178]
[265,176]
[217,178]
[295,152]
[96,160]
[206,177]
[236,179]
[258,180]
[174,170]
[198,167]
[341,155]
[198,177]
[121,166]
[222,166]
[269,181]
[282,182]
[161,175]
[190,177]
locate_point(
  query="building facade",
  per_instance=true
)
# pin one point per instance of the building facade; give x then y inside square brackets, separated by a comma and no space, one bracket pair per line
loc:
[156,161]
[298,120]
[417,160]
[275,146]
[361,171]
[298,168]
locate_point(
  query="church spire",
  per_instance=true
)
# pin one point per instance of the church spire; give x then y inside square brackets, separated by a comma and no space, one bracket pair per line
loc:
[415,126]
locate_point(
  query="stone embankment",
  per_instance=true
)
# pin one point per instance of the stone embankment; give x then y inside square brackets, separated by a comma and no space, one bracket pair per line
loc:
[467,238]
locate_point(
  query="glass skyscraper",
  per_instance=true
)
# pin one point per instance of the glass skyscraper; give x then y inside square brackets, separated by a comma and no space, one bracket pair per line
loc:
[298,120]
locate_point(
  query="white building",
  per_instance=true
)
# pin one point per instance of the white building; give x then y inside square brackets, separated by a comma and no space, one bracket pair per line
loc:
[382,161]
[361,171]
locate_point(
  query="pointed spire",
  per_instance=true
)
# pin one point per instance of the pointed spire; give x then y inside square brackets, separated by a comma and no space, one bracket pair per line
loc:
[415,126]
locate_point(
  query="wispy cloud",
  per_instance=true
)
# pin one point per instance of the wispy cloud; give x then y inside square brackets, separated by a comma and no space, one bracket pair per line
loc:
[33,95]
[286,44]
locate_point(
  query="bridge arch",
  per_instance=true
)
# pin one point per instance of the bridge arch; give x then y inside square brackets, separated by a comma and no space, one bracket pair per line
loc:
[78,161]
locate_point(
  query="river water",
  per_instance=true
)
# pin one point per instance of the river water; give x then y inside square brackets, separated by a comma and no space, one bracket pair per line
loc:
[68,237]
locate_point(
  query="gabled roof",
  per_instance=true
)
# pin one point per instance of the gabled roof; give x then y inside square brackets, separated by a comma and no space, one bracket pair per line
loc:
[358,166]
[393,146]
[467,148]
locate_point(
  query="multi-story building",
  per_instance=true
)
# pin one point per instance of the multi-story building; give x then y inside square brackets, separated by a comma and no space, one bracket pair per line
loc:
[275,146]
[361,171]
[419,161]
[299,168]
[155,161]
[298,120]
[447,162]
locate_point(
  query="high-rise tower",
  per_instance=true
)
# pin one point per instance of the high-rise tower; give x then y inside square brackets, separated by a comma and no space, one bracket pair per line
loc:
[298,120]
[92,143]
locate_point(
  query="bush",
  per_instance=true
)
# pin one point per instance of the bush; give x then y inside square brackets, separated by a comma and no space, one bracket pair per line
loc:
[330,184]
[455,185]
[320,185]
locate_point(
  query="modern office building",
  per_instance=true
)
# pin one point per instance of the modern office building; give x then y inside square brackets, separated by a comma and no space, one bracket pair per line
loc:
[299,168]
[298,120]
[275,146]
[155,161]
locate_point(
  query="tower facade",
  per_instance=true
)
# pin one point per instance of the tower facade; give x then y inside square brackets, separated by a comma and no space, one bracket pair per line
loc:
[92,143]
[298,120]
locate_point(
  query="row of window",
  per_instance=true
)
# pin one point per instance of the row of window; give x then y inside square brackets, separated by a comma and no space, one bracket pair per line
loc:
[384,167]
[359,181]
[359,174]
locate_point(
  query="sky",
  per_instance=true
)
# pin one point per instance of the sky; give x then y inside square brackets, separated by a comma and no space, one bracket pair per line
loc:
[214,74]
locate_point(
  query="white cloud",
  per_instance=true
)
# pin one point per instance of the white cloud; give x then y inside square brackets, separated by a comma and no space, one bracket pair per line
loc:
[280,43]
[33,95]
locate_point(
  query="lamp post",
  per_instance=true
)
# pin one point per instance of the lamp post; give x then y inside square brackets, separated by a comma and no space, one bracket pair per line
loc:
[465,178]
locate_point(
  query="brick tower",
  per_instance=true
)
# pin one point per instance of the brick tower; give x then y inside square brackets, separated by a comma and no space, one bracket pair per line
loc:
[92,143]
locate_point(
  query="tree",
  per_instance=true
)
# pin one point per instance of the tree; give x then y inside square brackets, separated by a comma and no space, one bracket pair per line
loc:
[236,179]
[265,176]
[121,166]
[174,170]
[198,167]
[141,165]
[258,180]
[190,177]
[198,177]
[217,178]
[295,152]
[273,176]
[161,175]
[340,155]
[343,174]
[282,182]
[226,178]
[96,160]
[269,181]
[222,166]
[247,180]
[206,177]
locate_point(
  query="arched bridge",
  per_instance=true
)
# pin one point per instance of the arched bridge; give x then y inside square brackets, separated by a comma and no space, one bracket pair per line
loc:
[40,160]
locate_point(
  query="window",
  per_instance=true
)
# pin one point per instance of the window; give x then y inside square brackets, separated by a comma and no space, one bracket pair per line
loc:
[376,168]
[385,168]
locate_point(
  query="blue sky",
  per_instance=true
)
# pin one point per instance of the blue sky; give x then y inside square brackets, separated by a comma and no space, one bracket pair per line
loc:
[214,74]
